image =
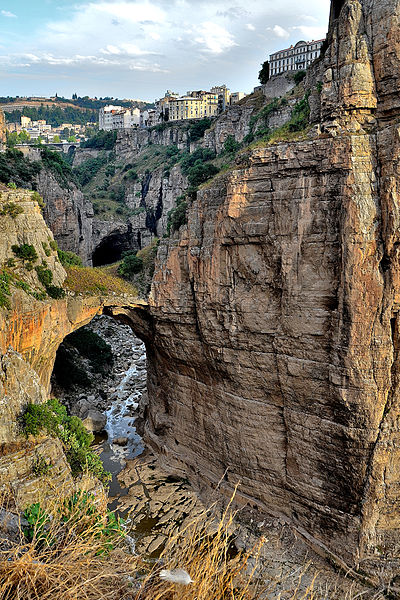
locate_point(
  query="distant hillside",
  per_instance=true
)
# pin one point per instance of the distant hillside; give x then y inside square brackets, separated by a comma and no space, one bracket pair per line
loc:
[61,110]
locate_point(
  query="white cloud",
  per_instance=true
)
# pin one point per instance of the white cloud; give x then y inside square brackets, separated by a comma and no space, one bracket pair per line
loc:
[125,49]
[309,32]
[250,27]
[280,32]
[131,12]
[215,38]
[7,13]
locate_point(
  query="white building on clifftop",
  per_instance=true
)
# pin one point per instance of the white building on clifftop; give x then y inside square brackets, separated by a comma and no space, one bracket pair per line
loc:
[118,117]
[295,58]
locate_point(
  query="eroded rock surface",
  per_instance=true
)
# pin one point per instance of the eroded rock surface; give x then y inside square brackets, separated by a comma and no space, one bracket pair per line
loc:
[274,348]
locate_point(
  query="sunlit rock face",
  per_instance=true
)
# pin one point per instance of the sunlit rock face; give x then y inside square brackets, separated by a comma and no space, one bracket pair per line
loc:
[274,350]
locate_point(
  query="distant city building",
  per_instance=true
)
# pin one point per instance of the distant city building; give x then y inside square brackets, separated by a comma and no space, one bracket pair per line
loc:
[236,96]
[295,58]
[224,96]
[195,105]
[117,117]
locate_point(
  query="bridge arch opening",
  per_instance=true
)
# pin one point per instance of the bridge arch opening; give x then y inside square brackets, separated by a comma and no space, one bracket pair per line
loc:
[100,375]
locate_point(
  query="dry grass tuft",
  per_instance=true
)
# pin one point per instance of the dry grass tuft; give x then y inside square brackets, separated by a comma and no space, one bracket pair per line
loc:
[68,559]
[207,557]
[97,280]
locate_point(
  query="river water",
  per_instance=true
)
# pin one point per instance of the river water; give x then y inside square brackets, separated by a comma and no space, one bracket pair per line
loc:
[122,389]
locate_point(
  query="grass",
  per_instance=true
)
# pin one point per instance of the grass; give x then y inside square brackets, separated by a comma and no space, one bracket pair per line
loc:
[77,550]
[104,280]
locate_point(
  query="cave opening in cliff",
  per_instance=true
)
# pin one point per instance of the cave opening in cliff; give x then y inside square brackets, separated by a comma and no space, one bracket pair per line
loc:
[110,249]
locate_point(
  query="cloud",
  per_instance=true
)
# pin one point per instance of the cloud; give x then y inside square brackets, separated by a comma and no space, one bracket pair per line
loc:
[280,32]
[7,13]
[138,47]
[233,13]
[311,33]
[125,49]
[214,38]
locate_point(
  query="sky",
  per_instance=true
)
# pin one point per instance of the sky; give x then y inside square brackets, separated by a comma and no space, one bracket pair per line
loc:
[141,48]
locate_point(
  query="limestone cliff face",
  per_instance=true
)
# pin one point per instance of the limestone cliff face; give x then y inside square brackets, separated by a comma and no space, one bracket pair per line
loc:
[150,200]
[132,141]
[274,354]
[68,214]
[32,326]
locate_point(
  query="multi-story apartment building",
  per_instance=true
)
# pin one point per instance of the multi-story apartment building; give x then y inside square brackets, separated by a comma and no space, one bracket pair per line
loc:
[295,58]
[195,105]
[116,117]
[224,96]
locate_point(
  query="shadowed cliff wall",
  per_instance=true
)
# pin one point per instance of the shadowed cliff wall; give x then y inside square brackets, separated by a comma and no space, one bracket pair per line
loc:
[275,351]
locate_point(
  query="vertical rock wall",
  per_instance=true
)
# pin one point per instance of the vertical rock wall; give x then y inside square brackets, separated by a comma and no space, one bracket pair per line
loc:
[274,359]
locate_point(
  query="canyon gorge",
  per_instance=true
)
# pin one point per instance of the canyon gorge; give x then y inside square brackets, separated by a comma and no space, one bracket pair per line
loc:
[272,326]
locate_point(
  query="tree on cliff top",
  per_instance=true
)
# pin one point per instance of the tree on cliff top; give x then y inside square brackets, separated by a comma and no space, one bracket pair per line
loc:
[263,75]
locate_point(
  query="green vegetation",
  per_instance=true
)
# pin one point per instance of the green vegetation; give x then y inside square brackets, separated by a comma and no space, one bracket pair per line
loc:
[297,123]
[38,198]
[263,75]
[5,292]
[44,274]
[196,130]
[56,163]
[41,466]
[299,76]
[25,252]
[131,265]
[231,146]
[55,292]
[178,215]
[102,139]
[89,168]
[300,115]
[54,115]
[11,209]
[46,249]
[51,418]
[93,347]
[76,515]
[98,280]
[68,258]
[15,168]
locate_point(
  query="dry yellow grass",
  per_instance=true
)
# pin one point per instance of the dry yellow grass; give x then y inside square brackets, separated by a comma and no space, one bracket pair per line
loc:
[66,561]
[97,280]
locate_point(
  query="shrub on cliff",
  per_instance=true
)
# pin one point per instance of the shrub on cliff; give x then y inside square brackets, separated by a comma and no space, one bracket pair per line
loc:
[231,146]
[67,258]
[130,265]
[11,209]
[178,215]
[102,139]
[14,167]
[200,173]
[51,418]
[198,129]
[87,170]
[25,252]
[61,169]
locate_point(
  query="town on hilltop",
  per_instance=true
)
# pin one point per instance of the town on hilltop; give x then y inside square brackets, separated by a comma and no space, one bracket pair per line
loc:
[195,104]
